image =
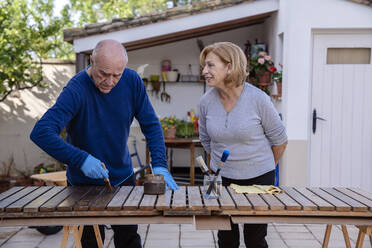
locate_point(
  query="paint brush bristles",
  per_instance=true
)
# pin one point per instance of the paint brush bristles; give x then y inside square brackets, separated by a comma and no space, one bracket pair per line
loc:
[107,181]
[202,165]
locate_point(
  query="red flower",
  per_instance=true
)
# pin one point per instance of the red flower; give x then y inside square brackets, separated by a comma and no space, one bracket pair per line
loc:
[272,69]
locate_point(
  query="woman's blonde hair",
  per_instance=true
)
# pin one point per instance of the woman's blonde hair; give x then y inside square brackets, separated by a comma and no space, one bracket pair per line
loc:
[229,53]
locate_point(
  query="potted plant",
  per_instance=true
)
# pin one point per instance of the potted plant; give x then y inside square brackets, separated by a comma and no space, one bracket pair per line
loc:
[277,76]
[155,83]
[169,126]
[185,129]
[263,67]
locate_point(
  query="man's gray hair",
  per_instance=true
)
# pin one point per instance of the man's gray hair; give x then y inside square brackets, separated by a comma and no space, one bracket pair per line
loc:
[99,45]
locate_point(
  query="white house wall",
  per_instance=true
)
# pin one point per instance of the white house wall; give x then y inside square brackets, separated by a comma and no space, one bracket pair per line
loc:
[20,111]
[297,20]
[184,96]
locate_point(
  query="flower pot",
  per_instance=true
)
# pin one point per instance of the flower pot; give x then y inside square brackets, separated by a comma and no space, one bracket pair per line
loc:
[264,78]
[155,85]
[279,87]
[278,94]
[170,133]
[172,76]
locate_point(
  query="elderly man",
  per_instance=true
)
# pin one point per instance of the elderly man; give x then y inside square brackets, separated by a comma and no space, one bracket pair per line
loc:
[97,107]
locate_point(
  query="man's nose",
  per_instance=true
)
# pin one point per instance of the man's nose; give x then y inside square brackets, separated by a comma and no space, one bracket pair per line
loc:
[111,80]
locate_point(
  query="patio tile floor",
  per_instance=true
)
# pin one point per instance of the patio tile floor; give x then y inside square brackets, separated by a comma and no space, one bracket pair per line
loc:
[174,235]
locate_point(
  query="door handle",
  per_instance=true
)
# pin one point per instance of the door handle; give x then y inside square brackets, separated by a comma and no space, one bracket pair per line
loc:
[315,117]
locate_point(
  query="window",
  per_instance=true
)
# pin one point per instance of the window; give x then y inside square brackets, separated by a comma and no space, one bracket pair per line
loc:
[349,55]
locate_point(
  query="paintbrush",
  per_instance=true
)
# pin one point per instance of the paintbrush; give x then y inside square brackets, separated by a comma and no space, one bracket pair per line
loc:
[224,156]
[202,165]
[107,181]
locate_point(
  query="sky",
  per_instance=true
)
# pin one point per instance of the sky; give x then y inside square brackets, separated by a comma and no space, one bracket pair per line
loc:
[59,6]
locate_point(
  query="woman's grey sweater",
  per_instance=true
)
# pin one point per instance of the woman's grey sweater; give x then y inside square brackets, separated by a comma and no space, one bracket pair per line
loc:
[248,131]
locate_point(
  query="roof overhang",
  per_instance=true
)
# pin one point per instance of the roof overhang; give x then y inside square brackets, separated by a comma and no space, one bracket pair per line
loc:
[242,15]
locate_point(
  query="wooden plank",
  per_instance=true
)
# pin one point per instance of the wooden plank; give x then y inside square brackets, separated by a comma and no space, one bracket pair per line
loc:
[362,193]
[257,202]
[240,200]
[179,199]
[322,204]
[195,199]
[288,202]
[10,192]
[340,205]
[273,202]
[90,197]
[356,197]
[101,202]
[210,204]
[15,197]
[77,193]
[164,201]
[306,204]
[212,223]
[134,199]
[18,205]
[148,202]
[51,205]
[226,201]
[356,206]
[119,198]
[36,204]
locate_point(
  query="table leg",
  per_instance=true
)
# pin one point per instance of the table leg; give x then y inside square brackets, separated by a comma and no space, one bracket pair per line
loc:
[326,236]
[81,228]
[65,231]
[346,236]
[98,236]
[363,230]
[360,239]
[192,164]
[77,237]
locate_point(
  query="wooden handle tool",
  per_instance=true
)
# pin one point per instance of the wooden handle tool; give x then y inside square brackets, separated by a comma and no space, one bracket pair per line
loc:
[107,181]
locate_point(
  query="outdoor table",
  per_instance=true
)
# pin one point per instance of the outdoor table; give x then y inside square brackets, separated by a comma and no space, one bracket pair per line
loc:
[183,143]
[91,205]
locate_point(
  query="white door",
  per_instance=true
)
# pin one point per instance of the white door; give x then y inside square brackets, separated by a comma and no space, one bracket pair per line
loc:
[341,147]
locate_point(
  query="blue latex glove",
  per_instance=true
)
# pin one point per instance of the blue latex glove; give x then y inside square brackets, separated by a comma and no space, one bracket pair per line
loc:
[167,177]
[92,168]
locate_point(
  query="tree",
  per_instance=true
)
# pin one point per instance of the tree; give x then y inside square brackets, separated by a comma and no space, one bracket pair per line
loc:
[78,13]
[27,35]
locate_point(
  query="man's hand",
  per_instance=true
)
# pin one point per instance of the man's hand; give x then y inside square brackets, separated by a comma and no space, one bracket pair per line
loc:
[92,168]
[167,177]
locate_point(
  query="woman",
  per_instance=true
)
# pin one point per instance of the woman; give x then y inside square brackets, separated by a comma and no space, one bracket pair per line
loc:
[237,116]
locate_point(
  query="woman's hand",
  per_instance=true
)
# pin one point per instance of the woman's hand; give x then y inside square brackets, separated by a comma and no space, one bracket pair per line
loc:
[278,151]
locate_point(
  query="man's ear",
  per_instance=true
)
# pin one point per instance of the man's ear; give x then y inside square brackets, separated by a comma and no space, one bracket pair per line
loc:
[91,60]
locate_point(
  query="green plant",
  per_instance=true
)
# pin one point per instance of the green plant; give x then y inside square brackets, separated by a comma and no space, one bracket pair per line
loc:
[261,63]
[277,76]
[7,168]
[185,129]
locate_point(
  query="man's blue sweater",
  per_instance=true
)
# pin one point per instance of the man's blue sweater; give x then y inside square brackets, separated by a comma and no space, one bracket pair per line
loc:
[99,124]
